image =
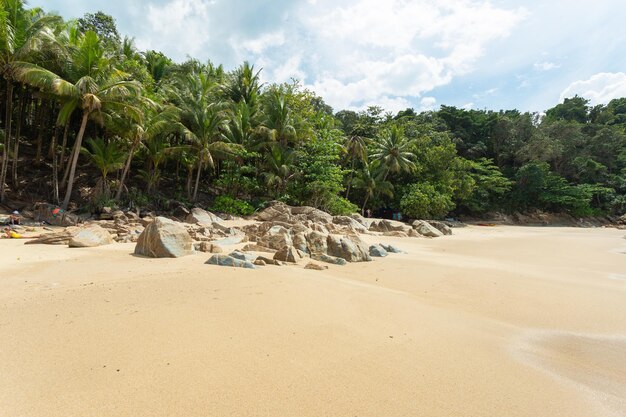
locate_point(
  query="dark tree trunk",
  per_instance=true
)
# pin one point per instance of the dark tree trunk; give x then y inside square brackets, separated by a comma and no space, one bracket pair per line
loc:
[7,141]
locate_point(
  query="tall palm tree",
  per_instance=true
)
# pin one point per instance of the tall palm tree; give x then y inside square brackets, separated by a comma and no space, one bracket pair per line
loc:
[98,86]
[393,152]
[204,117]
[279,169]
[106,156]
[22,33]
[370,181]
[278,124]
[243,85]
[356,150]
[157,120]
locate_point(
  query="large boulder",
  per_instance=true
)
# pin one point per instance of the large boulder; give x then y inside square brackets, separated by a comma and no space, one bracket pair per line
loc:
[316,242]
[426,229]
[202,216]
[225,260]
[281,212]
[350,248]
[441,226]
[90,236]
[351,223]
[164,238]
[288,254]
[276,238]
[378,251]
[385,225]
[53,215]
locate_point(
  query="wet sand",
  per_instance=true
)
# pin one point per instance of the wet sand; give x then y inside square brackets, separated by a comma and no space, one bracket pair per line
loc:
[493,321]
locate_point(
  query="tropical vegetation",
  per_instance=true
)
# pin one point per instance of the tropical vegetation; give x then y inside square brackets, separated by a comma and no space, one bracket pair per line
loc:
[89,120]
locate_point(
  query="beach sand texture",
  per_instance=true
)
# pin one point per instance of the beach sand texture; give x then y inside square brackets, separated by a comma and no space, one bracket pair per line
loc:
[492,321]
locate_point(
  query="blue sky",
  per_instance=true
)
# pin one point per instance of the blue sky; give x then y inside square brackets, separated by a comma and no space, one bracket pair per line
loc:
[495,54]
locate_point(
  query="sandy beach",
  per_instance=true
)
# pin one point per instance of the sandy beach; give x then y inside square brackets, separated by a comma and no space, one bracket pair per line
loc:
[492,321]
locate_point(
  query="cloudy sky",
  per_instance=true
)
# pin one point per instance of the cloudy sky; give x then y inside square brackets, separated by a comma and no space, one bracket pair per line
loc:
[395,53]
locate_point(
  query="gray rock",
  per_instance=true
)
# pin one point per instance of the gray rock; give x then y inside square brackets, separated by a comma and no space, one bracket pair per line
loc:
[268,261]
[315,267]
[276,237]
[164,238]
[390,248]
[350,248]
[259,262]
[53,215]
[349,222]
[330,259]
[441,226]
[378,251]
[225,260]
[288,254]
[90,236]
[316,242]
[426,229]
[202,216]
[243,256]
[207,247]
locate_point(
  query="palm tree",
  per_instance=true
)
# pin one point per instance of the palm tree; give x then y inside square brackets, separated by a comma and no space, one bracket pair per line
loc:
[22,33]
[106,156]
[204,117]
[393,152]
[279,169]
[356,150]
[278,125]
[98,86]
[157,120]
[369,180]
[243,85]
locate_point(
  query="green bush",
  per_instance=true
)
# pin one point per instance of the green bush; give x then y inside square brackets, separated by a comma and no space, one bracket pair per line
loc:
[339,206]
[423,201]
[227,204]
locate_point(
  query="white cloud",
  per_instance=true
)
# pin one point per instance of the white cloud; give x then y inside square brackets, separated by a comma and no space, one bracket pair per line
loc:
[545,66]
[427,103]
[259,44]
[180,27]
[375,51]
[599,89]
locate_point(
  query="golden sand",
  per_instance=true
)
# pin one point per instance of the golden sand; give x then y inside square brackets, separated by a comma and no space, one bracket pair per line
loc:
[501,321]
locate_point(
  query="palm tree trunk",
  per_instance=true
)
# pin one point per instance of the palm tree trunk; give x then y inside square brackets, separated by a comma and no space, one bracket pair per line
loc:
[64,144]
[18,133]
[7,141]
[55,168]
[42,125]
[189,182]
[66,173]
[195,190]
[367,196]
[350,180]
[70,180]
[127,168]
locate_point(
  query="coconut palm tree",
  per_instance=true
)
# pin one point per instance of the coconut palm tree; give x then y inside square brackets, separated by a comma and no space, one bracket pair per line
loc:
[393,151]
[356,151]
[370,181]
[279,169]
[278,124]
[22,33]
[98,86]
[106,156]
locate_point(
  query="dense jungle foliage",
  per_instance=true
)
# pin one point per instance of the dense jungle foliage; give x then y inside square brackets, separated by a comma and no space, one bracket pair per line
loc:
[83,109]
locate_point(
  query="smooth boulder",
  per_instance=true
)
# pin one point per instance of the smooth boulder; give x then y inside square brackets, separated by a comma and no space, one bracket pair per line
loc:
[164,238]
[378,251]
[288,254]
[90,236]
[225,260]
[350,248]
[426,229]
[202,216]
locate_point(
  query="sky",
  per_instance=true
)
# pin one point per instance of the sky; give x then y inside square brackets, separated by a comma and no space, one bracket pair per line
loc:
[481,54]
